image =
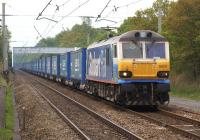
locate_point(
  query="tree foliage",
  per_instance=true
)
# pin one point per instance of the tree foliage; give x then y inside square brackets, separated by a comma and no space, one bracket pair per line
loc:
[79,36]
[147,19]
[183,26]
[48,42]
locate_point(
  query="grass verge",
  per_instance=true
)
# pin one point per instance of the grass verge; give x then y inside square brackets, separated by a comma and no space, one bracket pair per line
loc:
[7,132]
[188,92]
[184,86]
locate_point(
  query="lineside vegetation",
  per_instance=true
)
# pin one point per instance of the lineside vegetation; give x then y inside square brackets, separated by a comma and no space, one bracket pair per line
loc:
[7,132]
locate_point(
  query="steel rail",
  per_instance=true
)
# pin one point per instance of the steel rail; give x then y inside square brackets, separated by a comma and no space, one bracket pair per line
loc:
[172,127]
[113,125]
[64,117]
[171,114]
[181,109]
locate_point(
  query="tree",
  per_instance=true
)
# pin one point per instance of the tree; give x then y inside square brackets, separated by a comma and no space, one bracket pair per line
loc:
[80,35]
[183,25]
[48,42]
[147,19]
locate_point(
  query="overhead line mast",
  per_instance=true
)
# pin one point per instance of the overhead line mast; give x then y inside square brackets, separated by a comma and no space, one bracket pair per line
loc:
[160,17]
[5,42]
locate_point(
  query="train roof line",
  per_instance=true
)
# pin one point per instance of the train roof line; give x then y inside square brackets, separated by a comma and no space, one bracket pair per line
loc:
[131,36]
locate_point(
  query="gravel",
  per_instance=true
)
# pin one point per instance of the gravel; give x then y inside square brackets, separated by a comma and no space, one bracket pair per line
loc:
[41,122]
[94,128]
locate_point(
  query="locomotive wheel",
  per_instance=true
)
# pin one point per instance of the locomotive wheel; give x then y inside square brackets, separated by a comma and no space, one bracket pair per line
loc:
[112,95]
[155,107]
[118,97]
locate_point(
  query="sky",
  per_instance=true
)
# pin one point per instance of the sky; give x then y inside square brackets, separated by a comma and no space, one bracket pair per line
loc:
[26,30]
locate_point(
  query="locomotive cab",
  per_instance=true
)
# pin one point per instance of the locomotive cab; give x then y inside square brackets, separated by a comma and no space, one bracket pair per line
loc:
[143,60]
[143,68]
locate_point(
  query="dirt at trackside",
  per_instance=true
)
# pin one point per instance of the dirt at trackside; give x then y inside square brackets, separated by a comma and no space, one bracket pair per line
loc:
[41,122]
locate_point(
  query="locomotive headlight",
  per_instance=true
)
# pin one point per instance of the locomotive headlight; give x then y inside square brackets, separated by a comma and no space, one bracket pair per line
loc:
[125,74]
[163,74]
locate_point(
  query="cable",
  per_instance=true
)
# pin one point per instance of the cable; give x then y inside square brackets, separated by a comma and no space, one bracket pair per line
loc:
[126,5]
[75,9]
[45,16]
[113,10]
[56,22]
[107,20]
[116,23]
[40,14]
[79,6]
[22,15]
[65,3]
[102,11]
[53,16]
[118,7]
[38,32]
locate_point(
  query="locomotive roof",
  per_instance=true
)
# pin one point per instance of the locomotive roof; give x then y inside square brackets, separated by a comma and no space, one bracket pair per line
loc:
[134,35]
[141,35]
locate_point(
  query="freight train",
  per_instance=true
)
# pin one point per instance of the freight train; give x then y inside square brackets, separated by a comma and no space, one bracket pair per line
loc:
[130,69]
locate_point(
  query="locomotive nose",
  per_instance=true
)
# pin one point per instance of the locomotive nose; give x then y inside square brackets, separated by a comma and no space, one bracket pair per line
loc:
[143,69]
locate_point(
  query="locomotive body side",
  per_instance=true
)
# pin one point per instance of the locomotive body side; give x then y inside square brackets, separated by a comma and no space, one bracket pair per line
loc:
[99,64]
[102,72]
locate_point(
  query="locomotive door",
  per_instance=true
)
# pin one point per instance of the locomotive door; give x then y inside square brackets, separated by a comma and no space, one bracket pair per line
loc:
[109,63]
[114,64]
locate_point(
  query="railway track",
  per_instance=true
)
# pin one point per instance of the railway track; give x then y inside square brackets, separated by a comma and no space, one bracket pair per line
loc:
[89,124]
[168,113]
[181,111]
[185,126]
